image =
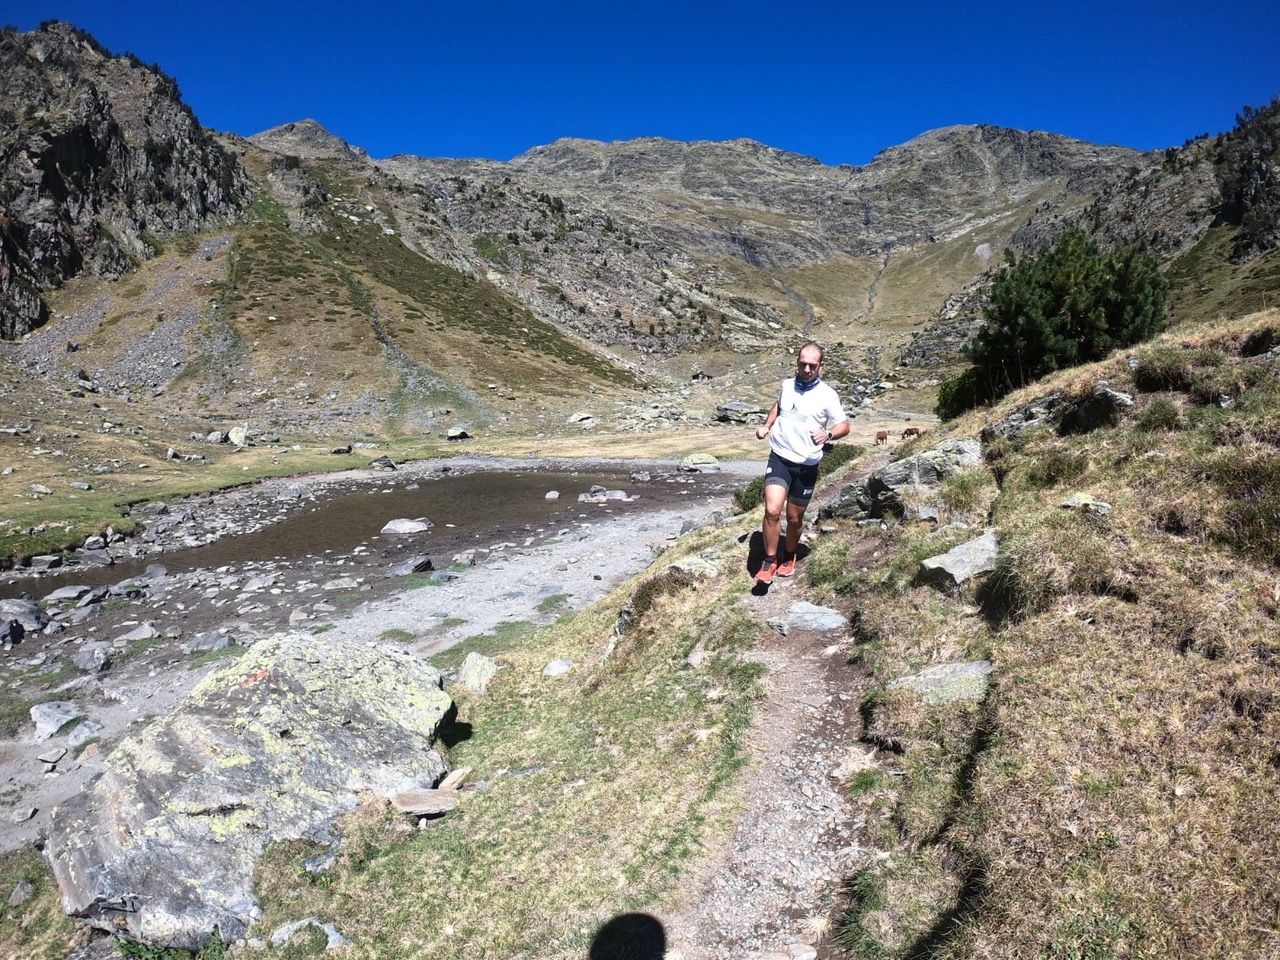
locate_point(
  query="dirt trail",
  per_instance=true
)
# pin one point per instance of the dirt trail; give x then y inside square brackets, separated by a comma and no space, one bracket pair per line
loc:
[770,891]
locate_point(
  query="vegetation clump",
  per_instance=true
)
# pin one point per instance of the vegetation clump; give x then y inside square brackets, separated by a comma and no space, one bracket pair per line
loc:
[1067,304]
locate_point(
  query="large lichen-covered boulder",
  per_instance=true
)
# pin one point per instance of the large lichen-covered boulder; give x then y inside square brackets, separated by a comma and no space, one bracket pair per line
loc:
[161,847]
[881,493]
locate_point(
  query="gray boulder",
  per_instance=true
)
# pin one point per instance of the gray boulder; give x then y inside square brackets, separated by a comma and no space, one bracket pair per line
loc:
[1102,408]
[29,613]
[700,463]
[476,672]
[93,657]
[50,717]
[948,682]
[411,565]
[72,592]
[402,525]
[962,563]
[162,845]
[557,668]
[881,494]
[1086,503]
[1039,412]
[208,642]
[739,411]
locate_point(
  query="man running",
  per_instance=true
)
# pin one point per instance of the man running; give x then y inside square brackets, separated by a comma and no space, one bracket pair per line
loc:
[806,415]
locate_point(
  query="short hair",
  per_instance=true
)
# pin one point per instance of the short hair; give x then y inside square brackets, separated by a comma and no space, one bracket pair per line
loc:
[817,346]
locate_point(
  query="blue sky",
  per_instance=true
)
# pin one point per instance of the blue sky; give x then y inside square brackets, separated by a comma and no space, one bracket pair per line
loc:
[837,81]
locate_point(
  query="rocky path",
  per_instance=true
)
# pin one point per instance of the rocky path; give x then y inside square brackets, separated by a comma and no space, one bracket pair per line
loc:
[769,892]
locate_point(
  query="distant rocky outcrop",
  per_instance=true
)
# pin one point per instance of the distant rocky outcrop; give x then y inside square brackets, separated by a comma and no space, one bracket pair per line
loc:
[306,138]
[100,162]
[161,847]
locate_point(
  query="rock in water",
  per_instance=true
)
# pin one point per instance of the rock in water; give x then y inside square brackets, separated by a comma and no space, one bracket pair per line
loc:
[162,845]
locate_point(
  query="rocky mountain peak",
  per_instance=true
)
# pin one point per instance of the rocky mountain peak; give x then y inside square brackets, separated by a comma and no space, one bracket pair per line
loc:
[100,162]
[307,138]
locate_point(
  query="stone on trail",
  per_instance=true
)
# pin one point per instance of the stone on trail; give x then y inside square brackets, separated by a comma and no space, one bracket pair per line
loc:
[84,732]
[1086,503]
[340,583]
[162,845]
[93,657]
[146,631]
[948,681]
[962,563]
[809,616]
[696,566]
[415,564]
[457,433]
[282,935]
[207,642]
[50,717]
[402,525]
[23,892]
[425,803]
[238,435]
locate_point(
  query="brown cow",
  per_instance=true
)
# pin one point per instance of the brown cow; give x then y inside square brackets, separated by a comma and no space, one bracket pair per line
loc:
[882,437]
[910,432]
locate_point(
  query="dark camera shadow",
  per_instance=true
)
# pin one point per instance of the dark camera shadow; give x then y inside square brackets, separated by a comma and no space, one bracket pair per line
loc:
[630,936]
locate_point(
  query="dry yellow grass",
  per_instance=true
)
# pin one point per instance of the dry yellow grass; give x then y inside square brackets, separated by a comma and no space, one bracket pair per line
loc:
[1117,792]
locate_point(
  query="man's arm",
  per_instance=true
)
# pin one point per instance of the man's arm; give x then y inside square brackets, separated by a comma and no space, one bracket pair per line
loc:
[762,431]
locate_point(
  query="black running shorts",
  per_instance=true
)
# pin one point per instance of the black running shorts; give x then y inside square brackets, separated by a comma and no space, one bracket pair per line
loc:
[798,478]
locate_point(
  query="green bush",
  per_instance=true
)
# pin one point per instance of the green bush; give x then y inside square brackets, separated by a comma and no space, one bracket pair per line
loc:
[960,393]
[1067,304]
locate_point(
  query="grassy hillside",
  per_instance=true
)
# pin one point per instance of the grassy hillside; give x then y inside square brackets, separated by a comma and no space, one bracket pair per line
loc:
[1114,794]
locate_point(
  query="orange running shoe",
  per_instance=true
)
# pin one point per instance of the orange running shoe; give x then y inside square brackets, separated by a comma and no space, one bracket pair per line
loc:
[767,569]
[787,568]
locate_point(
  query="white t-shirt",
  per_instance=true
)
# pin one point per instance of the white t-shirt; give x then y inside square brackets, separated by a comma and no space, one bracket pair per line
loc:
[799,414]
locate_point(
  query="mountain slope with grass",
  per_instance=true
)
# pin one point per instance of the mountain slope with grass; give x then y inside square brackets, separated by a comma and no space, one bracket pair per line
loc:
[1112,794]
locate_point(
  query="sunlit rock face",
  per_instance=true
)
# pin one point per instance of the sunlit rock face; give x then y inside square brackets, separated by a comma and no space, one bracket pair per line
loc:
[161,847]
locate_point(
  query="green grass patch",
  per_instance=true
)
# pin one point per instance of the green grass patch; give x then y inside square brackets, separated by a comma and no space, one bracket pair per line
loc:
[206,657]
[553,603]
[37,929]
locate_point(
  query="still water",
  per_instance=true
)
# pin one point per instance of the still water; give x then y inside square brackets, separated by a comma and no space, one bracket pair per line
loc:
[470,509]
